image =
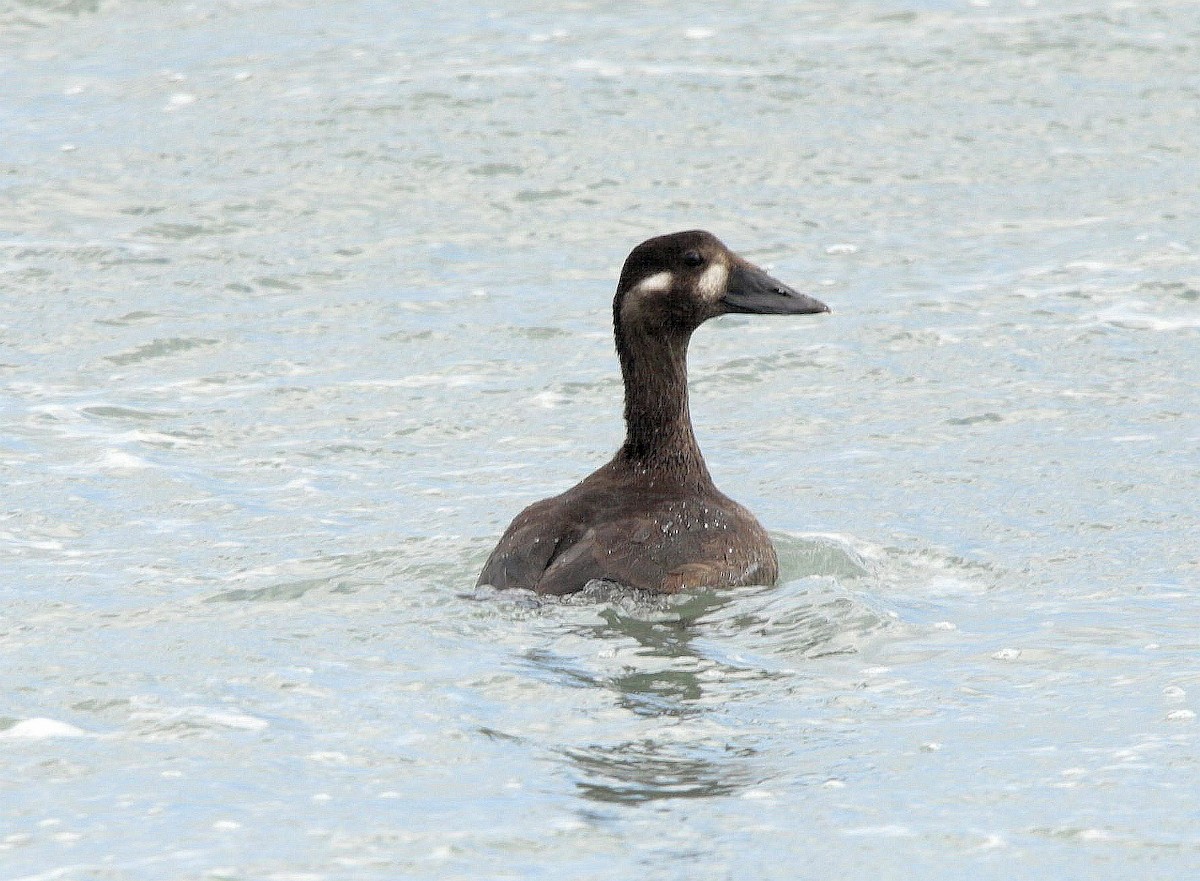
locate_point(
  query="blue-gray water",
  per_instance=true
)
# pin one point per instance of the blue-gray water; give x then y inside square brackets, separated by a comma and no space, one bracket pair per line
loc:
[301,302]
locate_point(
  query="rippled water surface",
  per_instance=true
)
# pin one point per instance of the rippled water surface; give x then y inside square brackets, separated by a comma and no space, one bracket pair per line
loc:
[301,302]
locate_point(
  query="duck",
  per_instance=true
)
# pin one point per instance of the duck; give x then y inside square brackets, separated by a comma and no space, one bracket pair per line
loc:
[651,518]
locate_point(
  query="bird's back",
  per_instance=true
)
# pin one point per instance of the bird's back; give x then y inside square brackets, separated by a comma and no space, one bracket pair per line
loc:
[643,531]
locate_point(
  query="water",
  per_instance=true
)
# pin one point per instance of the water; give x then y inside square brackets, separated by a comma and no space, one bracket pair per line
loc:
[302,302]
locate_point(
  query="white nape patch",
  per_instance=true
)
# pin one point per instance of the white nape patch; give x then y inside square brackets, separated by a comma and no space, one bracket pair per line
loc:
[713,281]
[658,283]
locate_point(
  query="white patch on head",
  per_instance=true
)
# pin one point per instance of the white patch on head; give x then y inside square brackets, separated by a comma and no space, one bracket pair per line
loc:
[713,281]
[659,283]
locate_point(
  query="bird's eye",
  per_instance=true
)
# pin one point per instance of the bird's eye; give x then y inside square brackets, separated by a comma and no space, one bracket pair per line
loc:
[692,258]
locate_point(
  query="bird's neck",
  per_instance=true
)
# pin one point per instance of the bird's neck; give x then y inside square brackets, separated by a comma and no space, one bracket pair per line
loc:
[658,425]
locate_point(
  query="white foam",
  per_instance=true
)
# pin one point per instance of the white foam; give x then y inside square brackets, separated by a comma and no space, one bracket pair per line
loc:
[202,716]
[329,757]
[556,34]
[842,248]
[549,400]
[151,437]
[40,728]
[893,830]
[423,380]
[601,68]
[120,460]
[237,720]
[1129,316]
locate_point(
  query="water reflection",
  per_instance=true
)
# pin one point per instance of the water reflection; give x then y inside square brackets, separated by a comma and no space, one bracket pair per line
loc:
[654,641]
[672,662]
[648,770]
[653,663]
[682,667]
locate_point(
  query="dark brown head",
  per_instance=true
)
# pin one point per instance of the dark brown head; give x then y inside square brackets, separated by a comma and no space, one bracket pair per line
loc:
[674,283]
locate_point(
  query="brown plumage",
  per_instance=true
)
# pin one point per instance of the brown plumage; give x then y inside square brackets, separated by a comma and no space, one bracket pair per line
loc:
[652,518]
